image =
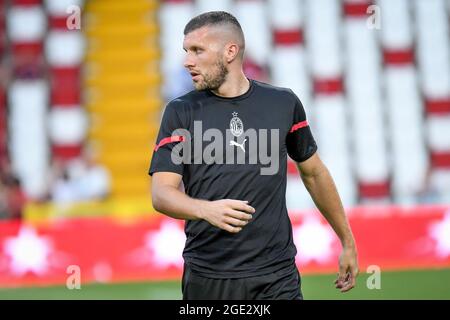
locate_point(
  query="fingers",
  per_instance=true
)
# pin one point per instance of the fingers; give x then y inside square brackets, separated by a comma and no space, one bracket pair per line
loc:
[349,283]
[235,225]
[236,222]
[339,282]
[350,280]
[231,228]
[342,271]
[340,277]
[241,206]
[239,215]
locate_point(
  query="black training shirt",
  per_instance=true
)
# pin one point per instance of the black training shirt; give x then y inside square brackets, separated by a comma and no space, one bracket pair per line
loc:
[273,123]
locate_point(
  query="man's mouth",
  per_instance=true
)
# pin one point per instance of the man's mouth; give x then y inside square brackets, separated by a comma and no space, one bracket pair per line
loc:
[195,75]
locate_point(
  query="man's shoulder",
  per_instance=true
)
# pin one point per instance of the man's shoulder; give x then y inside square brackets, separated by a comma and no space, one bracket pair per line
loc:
[188,98]
[183,105]
[275,91]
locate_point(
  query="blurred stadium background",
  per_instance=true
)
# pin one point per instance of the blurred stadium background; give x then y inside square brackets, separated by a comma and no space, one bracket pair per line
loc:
[83,85]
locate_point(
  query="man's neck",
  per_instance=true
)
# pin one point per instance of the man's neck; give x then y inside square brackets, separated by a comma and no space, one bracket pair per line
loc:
[234,86]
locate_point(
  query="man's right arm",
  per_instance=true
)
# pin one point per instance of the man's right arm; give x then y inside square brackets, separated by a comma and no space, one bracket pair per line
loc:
[229,215]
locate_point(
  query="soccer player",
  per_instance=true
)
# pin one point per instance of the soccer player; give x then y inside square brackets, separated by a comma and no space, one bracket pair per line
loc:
[220,164]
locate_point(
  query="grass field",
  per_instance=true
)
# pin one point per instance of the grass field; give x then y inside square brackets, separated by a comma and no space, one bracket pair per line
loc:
[419,284]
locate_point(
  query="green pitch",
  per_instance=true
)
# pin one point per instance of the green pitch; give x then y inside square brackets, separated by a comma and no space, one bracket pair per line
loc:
[424,284]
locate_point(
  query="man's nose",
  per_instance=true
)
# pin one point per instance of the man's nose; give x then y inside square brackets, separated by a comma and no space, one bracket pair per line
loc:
[188,62]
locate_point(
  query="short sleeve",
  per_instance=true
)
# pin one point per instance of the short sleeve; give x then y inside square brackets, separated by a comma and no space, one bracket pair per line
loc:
[167,139]
[300,142]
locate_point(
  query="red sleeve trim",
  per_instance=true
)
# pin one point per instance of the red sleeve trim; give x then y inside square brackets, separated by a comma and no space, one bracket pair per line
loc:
[299,125]
[168,140]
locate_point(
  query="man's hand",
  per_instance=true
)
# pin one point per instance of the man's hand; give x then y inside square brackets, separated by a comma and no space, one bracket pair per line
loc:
[229,215]
[169,198]
[321,187]
[348,269]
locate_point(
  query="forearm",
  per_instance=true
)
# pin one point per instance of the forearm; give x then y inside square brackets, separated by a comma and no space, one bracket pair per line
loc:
[176,204]
[170,199]
[322,189]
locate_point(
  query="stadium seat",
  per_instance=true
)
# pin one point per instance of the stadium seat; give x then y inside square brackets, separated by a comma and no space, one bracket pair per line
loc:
[433,56]
[330,121]
[396,33]
[61,14]
[67,126]
[297,197]
[3,126]
[433,48]
[438,128]
[286,14]
[29,152]
[65,86]
[58,8]
[322,34]
[63,48]
[26,26]
[65,52]
[288,61]
[405,114]
[253,17]
[288,67]
[173,17]
[202,6]
[363,72]
[2,29]
[438,141]
[439,185]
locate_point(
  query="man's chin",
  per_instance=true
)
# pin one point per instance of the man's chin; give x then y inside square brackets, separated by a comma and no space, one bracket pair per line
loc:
[199,86]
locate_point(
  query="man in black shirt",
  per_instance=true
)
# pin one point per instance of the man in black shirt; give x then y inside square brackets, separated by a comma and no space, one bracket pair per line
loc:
[220,164]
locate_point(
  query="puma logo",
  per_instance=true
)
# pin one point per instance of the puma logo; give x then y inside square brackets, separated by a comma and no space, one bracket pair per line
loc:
[234,143]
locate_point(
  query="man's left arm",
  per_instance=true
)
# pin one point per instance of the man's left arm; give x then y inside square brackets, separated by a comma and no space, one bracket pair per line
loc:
[321,187]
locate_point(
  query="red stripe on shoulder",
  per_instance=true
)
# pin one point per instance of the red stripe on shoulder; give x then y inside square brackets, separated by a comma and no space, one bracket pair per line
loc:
[168,140]
[299,125]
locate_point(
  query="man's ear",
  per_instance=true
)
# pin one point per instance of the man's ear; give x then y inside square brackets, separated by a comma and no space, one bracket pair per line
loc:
[231,52]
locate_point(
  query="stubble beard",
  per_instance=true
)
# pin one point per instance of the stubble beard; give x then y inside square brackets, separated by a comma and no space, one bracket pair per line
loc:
[214,79]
